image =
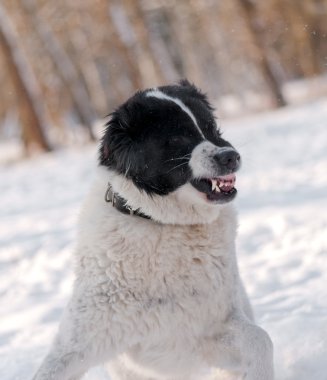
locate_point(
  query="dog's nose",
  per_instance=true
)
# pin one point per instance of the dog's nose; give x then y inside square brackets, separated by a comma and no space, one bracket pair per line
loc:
[229,159]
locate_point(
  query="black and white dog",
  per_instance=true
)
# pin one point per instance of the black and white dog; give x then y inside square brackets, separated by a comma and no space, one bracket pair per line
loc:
[157,290]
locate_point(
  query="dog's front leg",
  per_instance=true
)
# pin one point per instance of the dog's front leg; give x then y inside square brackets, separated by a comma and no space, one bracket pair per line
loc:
[243,347]
[254,348]
[86,337]
[61,364]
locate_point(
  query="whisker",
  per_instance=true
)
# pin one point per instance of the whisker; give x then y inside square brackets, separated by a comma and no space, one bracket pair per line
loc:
[175,167]
[127,168]
[180,158]
[155,187]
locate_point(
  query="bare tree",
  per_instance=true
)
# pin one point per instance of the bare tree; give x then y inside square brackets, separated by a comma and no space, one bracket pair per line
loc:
[65,67]
[256,31]
[299,20]
[123,49]
[32,115]
[141,46]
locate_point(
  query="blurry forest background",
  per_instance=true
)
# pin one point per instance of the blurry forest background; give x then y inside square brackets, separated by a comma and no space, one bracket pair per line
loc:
[64,65]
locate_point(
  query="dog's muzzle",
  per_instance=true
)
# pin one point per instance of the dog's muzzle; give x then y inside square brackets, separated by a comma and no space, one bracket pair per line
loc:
[214,170]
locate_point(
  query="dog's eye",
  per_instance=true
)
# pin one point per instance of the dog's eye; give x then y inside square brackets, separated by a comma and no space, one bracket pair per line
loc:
[172,141]
[177,140]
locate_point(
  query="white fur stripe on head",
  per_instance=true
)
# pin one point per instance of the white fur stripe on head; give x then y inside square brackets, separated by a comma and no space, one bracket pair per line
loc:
[160,95]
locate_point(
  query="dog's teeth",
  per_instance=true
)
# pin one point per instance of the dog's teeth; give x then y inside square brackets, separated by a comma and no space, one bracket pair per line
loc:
[217,189]
[213,184]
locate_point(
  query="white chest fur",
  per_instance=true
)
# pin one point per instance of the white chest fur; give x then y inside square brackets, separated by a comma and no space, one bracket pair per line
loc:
[171,285]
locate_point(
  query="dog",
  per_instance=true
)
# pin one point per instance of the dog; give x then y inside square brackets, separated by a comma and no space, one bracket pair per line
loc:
[157,292]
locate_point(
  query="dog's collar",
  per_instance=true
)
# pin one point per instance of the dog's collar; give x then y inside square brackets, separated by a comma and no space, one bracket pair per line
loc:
[120,203]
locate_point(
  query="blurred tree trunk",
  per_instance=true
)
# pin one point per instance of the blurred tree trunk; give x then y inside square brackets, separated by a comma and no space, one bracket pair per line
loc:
[118,42]
[25,85]
[87,69]
[182,24]
[65,67]
[267,70]
[301,25]
[162,39]
[146,60]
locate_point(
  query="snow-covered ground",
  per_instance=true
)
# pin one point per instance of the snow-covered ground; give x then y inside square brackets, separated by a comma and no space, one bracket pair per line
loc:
[282,242]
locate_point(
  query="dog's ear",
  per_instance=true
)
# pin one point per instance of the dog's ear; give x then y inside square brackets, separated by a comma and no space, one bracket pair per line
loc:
[114,140]
[195,92]
[117,147]
[185,83]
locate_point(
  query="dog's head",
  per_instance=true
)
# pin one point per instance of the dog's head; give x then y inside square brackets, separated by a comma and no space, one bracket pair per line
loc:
[165,141]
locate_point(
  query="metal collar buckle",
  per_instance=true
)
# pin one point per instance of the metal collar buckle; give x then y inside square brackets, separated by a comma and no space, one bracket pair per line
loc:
[110,195]
[116,201]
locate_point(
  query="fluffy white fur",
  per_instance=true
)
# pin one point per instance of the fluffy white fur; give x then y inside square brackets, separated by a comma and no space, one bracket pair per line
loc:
[161,298]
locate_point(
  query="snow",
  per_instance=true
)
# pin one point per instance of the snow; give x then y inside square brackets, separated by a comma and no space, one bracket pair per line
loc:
[282,241]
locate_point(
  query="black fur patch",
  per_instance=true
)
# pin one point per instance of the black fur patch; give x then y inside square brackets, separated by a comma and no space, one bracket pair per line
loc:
[150,140]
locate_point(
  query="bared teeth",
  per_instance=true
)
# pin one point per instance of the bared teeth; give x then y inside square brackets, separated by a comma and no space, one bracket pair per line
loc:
[224,184]
[215,185]
[220,184]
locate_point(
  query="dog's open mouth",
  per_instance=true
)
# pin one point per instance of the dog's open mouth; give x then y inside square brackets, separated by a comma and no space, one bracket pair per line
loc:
[219,189]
